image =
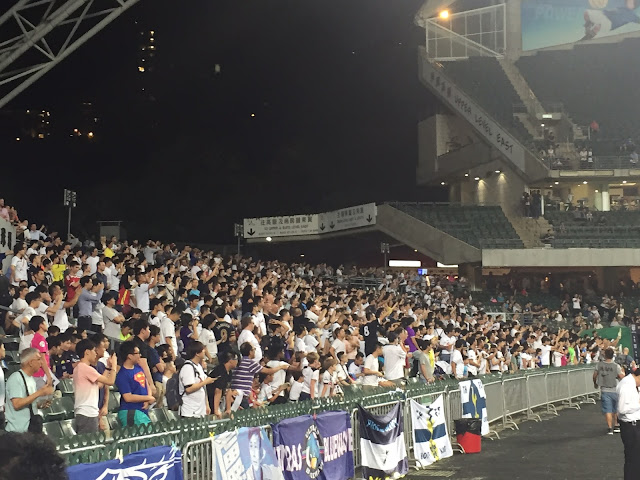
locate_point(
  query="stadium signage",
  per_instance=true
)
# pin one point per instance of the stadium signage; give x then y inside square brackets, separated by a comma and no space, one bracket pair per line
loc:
[467,108]
[312,224]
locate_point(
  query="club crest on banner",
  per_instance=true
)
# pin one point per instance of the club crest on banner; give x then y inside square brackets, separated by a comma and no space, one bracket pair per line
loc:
[313,452]
[474,402]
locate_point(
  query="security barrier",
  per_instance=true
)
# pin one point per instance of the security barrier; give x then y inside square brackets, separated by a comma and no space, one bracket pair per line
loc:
[508,398]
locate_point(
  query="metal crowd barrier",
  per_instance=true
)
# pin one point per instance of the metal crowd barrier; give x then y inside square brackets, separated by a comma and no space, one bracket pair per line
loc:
[509,399]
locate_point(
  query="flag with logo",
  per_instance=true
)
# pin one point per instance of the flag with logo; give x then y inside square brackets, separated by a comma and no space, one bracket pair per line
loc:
[382,445]
[430,437]
[474,402]
[245,454]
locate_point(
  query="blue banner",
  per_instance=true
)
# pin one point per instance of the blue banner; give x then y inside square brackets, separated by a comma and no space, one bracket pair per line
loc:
[546,23]
[246,454]
[315,449]
[153,463]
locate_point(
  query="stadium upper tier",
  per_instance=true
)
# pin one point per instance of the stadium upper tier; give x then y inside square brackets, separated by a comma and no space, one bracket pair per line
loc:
[593,82]
[482,227]
[485,81]
[619,229]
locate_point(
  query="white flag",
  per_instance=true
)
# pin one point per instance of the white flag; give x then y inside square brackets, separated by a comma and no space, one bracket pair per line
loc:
[430,437]
[474,402]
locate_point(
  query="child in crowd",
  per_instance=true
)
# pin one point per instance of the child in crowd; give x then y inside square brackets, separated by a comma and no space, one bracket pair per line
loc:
[296,387]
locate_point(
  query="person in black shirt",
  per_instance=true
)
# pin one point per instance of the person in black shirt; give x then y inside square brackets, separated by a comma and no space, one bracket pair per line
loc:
[225,333]
[369,332]
[228,361]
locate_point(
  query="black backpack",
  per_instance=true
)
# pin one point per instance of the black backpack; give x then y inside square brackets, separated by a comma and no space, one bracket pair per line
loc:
[173,395]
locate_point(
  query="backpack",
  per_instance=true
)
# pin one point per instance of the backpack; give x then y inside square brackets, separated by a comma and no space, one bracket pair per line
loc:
[173,395]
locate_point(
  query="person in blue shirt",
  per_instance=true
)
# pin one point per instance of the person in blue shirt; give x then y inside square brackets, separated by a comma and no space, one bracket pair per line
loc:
[134,391]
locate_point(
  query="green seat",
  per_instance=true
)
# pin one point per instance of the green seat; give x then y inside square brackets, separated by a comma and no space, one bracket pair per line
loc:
[157,415]
[55,411]
[52,430]
[67,404]
[114,423]
[68,428]
[66,386]
[114,401]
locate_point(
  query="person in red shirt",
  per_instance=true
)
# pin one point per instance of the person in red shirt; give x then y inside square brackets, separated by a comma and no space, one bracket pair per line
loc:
[72,280]
[39,325]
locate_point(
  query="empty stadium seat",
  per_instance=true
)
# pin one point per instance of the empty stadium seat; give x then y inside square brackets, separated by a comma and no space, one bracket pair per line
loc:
[66,386]
[620,230]
[482,227]
[53,430]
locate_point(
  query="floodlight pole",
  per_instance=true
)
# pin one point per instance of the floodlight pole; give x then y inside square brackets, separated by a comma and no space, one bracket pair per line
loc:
[238,231]
[70,201]
[384,249]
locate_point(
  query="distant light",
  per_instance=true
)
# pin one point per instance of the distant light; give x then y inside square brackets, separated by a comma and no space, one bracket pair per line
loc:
[442,183]
[405,263]
[268,239]
[253,114]
[557,183]
[27,111]
[547,115]
[152,47]
[466,174]
[17,139]
[550,186]
[542,124]
[624,181]
[597,191]
[302,255]
[444,14]
[152,32]
[477,178]
[585,182]
[141,69]
[41,135]
[498,171]
[151,39]
[90,134]
[416,251]
[442,265]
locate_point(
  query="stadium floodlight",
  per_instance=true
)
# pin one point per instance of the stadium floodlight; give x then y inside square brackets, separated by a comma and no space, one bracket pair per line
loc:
[444,14]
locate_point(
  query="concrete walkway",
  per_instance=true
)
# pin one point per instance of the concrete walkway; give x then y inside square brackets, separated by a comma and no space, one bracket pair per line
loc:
[573,446]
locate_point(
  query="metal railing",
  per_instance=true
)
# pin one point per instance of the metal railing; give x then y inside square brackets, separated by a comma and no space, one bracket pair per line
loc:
[599,163]
[509,398]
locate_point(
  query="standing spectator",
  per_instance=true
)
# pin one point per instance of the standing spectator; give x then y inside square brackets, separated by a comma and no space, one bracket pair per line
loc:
[629,417]
[86,386]
[247,336]
[246,370]
[156,364]
[86,303]
[220,388]
[141,292]
[395,355]
[19,266]
[133,386]
[112,319]
[606,376]
[457,359]
[371,370]
[425,367]
[22,394]
[193,383]
[39,326]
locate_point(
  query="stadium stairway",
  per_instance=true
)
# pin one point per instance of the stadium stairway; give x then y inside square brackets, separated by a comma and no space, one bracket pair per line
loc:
[530,230]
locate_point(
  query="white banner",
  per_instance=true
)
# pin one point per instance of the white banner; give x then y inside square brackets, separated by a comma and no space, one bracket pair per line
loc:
[467,108]
[312,224]
[430,436]
[474,402]
[291,225]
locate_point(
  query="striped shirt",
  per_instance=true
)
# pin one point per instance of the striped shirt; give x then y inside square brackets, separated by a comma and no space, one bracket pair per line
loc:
[242,379]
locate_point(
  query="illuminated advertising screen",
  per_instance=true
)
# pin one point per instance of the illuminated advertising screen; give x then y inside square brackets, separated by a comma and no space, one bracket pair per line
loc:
[546,23]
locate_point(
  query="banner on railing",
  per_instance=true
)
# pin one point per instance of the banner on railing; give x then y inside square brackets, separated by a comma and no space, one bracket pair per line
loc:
[245,454]
[320,448]
[474,402]
[430,437]
[382,445]
[156,462]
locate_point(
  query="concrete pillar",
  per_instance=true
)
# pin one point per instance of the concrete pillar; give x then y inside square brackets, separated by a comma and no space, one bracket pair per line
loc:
[473,273]
[606,200]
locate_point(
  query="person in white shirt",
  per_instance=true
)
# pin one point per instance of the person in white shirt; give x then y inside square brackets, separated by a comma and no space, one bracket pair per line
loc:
[545,354]
[279,376]
[473,363]
[372,376]
[338,344]
[355,369]
[168,328]
[395,357]
[208,338]
[629,418]
[457,359]
[19,265]
[247,336]
[328,386]
[193,382]
[141,292]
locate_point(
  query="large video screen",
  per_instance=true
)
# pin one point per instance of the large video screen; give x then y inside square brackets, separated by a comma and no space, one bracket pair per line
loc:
[546,23]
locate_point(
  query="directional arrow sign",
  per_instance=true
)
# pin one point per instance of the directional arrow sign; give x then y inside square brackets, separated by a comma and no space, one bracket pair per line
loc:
[322,227]
[369,218]
[332,225]
[251,232]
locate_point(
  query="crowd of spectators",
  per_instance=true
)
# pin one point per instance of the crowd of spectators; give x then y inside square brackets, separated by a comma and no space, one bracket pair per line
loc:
[206,335]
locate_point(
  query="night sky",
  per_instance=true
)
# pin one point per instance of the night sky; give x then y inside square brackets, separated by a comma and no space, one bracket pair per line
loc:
[333,86]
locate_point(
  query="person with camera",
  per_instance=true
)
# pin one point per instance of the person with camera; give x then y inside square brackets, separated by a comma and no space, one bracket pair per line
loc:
[22,394]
